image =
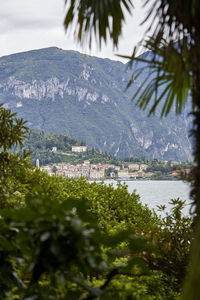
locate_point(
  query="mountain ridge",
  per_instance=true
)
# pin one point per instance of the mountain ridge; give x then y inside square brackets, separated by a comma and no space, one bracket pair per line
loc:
[63,91]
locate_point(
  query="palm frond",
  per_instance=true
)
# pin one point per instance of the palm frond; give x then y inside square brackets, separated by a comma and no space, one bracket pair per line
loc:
[166,77]
[98,19]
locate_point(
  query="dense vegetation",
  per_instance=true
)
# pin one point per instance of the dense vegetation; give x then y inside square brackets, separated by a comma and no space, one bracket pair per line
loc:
[40,145]
[163,170]
[69,239]
[38,139]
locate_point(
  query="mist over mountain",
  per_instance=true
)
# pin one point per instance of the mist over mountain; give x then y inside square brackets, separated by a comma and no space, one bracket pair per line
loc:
[85,97]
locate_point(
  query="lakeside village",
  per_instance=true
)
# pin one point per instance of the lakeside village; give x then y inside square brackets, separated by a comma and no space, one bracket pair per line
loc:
[128,171]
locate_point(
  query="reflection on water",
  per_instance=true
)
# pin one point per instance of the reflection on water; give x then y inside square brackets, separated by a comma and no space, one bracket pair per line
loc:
[155,192]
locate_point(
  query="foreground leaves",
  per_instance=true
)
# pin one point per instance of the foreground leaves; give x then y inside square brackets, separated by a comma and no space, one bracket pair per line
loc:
[62,243]
[100,19]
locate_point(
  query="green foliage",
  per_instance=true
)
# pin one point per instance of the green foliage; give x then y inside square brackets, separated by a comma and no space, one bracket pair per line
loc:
[50,236]
[13,167]
[150,287]
[112,206]
[62,243]
[117,208]
[71,239]
[38,139]
[59,210]
[172,240]
[13,130]
[40,145]
[161,79]
[94,18]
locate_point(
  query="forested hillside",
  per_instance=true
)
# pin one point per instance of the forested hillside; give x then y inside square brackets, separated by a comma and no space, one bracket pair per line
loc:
[40,144]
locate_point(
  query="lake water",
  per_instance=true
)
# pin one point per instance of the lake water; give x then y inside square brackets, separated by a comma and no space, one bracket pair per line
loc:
[157,192]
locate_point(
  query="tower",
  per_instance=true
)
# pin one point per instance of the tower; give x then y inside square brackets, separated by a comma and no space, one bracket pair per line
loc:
[37,163]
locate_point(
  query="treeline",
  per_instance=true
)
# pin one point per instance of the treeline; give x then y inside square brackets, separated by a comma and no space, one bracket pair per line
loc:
[40,145]
[163,169]
[41,141]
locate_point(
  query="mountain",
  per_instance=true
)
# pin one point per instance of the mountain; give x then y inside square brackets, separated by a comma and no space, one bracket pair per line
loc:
[85,97]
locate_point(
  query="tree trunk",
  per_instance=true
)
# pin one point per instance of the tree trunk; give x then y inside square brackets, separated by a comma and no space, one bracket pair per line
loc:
[191,289]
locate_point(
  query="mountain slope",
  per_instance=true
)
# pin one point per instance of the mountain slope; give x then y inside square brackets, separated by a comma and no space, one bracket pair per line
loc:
[85,97]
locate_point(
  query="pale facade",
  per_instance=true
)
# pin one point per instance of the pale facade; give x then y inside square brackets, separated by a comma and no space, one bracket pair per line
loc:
[79,149]
[96,173]
[143,167]
[123,174]
[134,167]
[92,171]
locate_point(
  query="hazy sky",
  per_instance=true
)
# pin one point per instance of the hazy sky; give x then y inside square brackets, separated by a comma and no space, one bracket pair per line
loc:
[35,24]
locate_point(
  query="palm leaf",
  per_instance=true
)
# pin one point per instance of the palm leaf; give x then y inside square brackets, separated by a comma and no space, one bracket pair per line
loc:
[92,19]
[168,77]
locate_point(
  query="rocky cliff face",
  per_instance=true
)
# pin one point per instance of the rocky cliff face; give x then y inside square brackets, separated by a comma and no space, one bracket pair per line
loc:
[85,97]
[49,89]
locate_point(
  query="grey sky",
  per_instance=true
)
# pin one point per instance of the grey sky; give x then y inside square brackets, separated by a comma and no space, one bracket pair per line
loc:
[34,24]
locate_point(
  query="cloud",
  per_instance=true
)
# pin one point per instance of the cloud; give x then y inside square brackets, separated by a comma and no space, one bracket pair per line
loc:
[29,14]
[34,24]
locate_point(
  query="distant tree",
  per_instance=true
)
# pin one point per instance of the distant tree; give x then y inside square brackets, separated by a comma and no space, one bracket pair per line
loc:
[13,166]
[54,169]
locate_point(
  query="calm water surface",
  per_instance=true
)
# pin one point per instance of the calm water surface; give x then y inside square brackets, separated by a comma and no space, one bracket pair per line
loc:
[155,192]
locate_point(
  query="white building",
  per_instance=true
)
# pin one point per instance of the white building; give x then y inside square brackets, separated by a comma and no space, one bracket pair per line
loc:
[79,149]
[37,163]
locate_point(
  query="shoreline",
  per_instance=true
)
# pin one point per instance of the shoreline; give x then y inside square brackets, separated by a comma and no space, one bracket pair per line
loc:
[136,179]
